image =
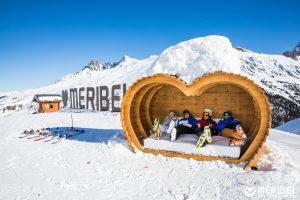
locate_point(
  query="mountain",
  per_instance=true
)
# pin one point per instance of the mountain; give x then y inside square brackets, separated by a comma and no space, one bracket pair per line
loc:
[294,53]
[277,75]
[95,65]
[280,78]
[297,49]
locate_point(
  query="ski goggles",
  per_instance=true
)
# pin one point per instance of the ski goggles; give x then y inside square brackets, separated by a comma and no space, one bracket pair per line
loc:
[205,113]
[226,114]
[172,113]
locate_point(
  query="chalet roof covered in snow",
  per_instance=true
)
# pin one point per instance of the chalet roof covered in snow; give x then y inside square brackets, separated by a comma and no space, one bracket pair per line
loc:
[47,98]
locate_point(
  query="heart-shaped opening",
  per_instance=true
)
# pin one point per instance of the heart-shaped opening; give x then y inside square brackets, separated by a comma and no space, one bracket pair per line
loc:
[154,96]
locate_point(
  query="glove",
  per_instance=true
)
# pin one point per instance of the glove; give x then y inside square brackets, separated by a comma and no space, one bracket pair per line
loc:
[185,123]
[180,122]
[188,125]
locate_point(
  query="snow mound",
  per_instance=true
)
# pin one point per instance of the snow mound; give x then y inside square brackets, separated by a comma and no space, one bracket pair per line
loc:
[195,57]
[291,126]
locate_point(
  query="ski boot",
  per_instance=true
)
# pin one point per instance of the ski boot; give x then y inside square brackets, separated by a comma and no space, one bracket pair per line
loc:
[237,142]
[31,132]
[208,134]
[201,142]
[241,133]
[171,126]
[173,135]
[204,138]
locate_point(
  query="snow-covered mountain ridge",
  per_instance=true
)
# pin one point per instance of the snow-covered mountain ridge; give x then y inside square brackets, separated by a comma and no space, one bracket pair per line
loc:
[294,54]
[93,66]
[278,75]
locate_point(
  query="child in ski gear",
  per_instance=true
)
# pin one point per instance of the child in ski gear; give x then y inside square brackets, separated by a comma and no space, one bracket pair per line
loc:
[169,123]
[185,126]
[206,120]
[228,127]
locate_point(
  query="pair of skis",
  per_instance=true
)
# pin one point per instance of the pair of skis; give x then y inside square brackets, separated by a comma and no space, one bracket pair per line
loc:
[46,133]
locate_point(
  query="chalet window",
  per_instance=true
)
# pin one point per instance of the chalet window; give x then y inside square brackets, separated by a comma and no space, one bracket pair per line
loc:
[49,106]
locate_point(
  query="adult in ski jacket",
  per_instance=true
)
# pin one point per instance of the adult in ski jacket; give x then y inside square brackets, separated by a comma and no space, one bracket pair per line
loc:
[228,127]
[227,122]
[206,120]
[185,126]
[187,120]
[169,122]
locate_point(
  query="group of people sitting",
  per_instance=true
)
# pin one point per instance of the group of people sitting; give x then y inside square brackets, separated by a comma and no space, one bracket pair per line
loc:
[227,126]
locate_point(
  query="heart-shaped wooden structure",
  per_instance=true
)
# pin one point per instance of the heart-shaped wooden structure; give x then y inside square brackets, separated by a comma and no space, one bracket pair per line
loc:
[153,96]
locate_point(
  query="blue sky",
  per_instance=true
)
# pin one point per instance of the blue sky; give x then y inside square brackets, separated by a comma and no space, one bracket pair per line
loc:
[41,41]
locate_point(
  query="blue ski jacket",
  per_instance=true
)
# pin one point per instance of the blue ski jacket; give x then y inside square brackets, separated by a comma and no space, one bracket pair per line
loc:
[228,122]
[189,122]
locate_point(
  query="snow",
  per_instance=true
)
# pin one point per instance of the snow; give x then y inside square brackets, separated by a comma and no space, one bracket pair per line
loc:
[48,98]
[274,73]
[291,126]
[99,164]
[193,58]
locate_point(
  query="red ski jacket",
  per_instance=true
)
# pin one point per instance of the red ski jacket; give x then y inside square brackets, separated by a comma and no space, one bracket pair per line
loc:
[204,122]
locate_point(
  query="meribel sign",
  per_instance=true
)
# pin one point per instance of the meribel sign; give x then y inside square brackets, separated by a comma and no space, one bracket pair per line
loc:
[95,98]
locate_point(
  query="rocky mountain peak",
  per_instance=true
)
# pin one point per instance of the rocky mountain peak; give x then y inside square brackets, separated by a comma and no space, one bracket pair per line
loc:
[93,65]
[294,53]
[297,49]
[96,65]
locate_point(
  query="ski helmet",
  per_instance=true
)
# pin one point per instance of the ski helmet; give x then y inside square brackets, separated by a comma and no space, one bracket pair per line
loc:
[209,111]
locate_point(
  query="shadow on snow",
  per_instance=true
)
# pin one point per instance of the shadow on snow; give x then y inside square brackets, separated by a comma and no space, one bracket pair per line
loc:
[91,134]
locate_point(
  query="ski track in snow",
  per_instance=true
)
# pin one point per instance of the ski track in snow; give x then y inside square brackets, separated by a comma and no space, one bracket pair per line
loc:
[99,164]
